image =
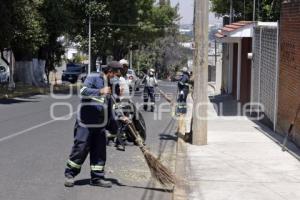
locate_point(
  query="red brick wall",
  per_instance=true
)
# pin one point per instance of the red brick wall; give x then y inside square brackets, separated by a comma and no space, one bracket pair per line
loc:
[289,72]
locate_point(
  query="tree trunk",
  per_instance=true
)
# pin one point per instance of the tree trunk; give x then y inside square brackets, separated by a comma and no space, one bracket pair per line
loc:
[3,58]
[116,54]
[47,72]
[104,59]
[93,63]
[12,84]
[119,52]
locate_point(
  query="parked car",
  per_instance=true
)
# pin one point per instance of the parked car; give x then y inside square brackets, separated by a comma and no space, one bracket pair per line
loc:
[4,73]
[133,80]
[74,72]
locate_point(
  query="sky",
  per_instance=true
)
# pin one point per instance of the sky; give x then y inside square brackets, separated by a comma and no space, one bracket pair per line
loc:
[186,11]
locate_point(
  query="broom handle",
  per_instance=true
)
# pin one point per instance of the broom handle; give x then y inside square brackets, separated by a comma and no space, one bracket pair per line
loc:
[290,129]
[136,136]
[164,95]
[132,128]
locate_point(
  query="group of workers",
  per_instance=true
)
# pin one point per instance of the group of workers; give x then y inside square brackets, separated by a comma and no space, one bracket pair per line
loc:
[96,116]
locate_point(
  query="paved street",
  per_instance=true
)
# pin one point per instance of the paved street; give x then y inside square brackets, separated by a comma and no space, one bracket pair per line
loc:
[34,149]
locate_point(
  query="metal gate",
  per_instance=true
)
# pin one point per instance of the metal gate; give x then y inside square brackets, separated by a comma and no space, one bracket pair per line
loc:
[265,70]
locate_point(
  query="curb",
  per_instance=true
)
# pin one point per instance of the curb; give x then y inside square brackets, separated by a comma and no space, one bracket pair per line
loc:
[180,189]
[11,96]
[42,91]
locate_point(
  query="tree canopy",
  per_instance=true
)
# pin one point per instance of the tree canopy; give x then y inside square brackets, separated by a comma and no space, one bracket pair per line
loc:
[22,27]
[119,25]
[34,28]
[266,10]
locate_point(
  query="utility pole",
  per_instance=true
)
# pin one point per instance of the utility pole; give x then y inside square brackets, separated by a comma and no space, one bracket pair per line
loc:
[216,58]
[254,9]
[231,12]
[130,59]
[201,73]
[12,62]
[90,45]
[244,9]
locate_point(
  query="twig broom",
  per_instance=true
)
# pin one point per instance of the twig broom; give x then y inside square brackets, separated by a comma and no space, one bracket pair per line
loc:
[158,171]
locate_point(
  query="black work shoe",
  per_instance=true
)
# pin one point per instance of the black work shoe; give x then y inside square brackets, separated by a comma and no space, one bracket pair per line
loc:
[145,108]
[69,181]
[120,147]
[101,183]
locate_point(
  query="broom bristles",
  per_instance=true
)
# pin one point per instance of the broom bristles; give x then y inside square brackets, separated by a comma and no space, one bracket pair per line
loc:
[158,171]
[161,173]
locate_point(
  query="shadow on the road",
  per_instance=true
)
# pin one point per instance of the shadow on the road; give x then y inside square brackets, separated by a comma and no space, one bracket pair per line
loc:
[167,137]
[15,101]
[84,182]
[149,193]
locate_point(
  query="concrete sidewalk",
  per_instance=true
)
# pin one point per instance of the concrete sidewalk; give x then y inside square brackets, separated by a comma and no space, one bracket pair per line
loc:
[239,163]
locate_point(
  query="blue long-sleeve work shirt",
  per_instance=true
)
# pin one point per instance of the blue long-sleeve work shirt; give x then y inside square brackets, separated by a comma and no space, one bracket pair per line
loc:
[93,112]
[183,82]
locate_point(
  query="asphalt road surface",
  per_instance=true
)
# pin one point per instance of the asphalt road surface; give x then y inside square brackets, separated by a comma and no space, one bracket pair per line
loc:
[34,148]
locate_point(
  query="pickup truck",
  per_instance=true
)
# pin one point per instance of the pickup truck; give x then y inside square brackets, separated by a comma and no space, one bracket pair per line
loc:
[74,72]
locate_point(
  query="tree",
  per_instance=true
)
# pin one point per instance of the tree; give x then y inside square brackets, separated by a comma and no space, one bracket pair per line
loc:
[101,33]
[165,54]
[5,23]
[28,28]
[34,28]
[22,27]
[144,23]
[131,23]
[267,10]
[116,25]
[270,10]
[58,22]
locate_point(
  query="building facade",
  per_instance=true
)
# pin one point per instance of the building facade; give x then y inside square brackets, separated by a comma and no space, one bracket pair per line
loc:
[289,72]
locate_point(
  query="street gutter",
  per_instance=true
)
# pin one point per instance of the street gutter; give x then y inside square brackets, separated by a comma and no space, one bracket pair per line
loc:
[23,92]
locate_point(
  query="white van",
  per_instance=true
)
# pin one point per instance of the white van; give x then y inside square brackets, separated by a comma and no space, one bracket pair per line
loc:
[4,72]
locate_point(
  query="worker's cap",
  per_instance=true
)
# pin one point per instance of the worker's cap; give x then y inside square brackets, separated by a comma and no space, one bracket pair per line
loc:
[124,62]
[114,65]
[185,69]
